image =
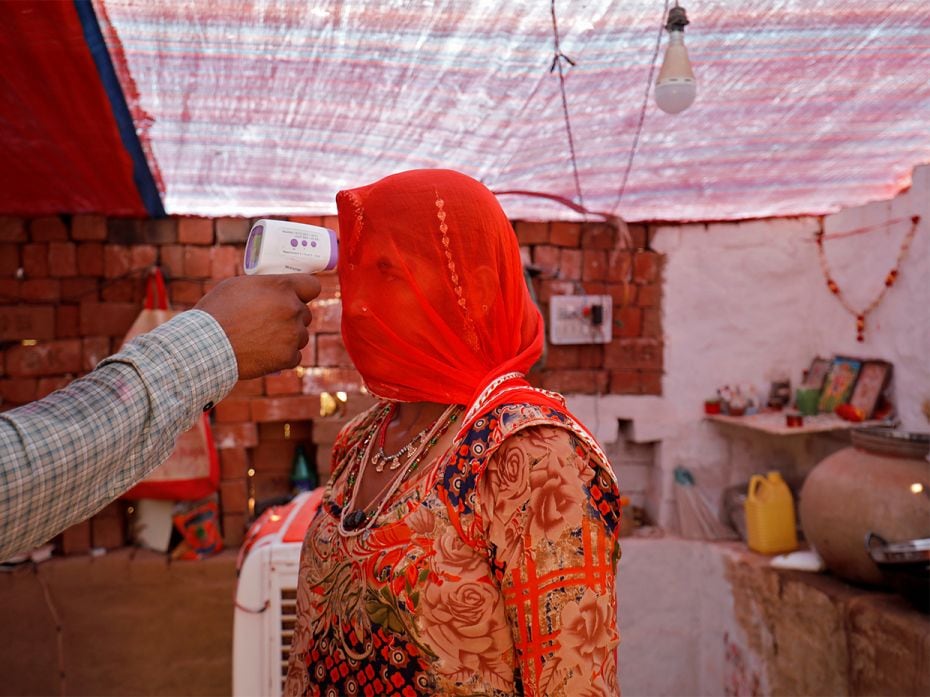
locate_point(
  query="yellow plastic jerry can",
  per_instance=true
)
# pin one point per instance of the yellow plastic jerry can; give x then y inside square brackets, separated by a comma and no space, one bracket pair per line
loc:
[770,523]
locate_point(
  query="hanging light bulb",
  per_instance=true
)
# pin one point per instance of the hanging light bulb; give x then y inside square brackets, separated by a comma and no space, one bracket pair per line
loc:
[675,87]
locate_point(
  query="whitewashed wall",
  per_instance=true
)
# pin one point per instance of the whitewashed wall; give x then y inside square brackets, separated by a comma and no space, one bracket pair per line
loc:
[745,302]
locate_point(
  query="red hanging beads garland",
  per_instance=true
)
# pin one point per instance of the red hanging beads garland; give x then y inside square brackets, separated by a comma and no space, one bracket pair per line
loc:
[890,278]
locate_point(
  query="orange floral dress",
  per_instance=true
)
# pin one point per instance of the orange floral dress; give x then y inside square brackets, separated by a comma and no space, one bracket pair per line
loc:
[490,572]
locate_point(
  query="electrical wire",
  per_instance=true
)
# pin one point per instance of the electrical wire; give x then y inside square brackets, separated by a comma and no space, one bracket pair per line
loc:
[642,112]
[557,63]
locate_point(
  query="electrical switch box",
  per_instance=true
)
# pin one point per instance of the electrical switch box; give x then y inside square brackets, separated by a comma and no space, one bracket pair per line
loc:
[580,319]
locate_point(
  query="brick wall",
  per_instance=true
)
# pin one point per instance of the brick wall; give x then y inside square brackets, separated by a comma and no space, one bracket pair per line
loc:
[70,287]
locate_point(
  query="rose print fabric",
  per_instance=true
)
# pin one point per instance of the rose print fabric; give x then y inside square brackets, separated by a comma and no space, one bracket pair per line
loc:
[492,572]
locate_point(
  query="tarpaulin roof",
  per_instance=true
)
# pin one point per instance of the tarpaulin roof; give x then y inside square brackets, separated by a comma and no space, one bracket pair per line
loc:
[262,107]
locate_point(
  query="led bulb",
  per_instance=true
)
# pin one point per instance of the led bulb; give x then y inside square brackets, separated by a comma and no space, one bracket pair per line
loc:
[675,87]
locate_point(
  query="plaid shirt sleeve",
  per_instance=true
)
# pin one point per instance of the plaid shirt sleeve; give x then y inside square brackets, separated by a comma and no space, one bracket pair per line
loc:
[64,457]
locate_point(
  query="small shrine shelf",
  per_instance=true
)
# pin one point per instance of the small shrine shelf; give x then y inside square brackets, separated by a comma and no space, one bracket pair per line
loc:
[773,422]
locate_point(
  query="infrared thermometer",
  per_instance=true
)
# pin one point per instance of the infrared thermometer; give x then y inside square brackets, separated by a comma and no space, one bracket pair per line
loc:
[280,246]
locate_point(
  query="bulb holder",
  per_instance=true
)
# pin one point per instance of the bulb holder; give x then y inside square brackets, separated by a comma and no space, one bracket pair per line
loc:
[677,19]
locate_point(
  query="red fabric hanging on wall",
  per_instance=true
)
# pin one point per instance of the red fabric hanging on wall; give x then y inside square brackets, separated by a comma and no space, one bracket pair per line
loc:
[59,142]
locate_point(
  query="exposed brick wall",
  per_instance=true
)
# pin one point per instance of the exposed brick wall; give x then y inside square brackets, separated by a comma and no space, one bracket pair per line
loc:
[74,285]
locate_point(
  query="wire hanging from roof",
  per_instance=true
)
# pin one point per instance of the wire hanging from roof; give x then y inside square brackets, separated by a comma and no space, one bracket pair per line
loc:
[557,63]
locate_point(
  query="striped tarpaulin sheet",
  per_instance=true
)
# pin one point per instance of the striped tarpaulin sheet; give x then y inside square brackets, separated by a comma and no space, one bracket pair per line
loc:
[248,107]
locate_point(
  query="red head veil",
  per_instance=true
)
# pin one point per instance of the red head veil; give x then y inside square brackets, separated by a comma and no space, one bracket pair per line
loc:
[434,301]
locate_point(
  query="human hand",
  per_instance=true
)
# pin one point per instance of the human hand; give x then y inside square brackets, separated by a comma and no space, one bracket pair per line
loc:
[265,319]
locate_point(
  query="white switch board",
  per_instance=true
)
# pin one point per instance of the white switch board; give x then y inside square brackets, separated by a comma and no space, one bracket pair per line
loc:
[572,319]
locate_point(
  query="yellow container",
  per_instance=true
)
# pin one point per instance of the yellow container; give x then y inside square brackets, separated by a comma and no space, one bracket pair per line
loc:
[770,524]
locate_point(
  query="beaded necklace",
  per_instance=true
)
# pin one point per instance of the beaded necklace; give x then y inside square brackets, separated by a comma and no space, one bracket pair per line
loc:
[890,279]
[359,520]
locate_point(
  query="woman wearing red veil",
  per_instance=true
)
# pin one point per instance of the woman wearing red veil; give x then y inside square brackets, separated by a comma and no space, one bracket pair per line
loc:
[467,540]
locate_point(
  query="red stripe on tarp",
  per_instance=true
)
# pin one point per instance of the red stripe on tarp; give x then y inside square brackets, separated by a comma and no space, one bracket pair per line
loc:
[59,143]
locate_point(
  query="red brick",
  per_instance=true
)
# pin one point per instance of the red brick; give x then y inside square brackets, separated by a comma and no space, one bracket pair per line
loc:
[90,259]
[591,356]
[80,289]
[649,295]
[546,259]
[330,351]
[638,236]
[143,256]
[594,287]
[34,322]
[195,230]
[570,261]
[575,381]
[548,288]
[308,354]
[35,260]
[652,322]
[331,222]
[48,229]
[18,390]
[283,383]
[93,350]
[45,358]
[226,262]
[161,231]
[42,289]
[234,495]
[76,539]
[233,409]
[647,267]
[89,227]
[598,236]
[318,380]
[329,283]
[48,385]
[126,231]
[108,528]
[247,388]
[563,234]
[107,319]
[594,265]
[327,316]
[561,357]
[235,435]
[12,229]
[301,430]
[274,456]
[234,463]
[233,529]
[10,290]
[628,322]
[172,260]
[619,266]
[531,232]
[623,294]
[326,430]
[9,259]
[197,263]
[123,290]
[625,382]
[307,219]
[284,408]
[117,260]
[67,321]
[633,354]
[232,230]
[272,485]
[186,292]
[652,382]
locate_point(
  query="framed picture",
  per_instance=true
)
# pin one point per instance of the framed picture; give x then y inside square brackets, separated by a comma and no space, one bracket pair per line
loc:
[873,379]
[816,374]
[839,383]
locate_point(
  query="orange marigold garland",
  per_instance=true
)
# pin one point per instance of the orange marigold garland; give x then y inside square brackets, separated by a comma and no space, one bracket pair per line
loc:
[890,278]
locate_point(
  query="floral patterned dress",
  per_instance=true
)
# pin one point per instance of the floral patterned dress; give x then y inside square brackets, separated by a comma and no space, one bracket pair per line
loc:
[491,572]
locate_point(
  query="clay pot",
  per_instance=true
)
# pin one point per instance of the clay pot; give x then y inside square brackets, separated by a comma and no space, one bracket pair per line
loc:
[852,493]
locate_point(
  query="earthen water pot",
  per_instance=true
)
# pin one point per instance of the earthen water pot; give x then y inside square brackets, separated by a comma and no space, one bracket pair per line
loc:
[854,492]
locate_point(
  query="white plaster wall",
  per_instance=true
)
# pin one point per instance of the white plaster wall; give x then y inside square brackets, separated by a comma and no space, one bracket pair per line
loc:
[746,302]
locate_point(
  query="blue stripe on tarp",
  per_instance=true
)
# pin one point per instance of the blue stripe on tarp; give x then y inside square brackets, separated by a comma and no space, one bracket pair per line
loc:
[141,174]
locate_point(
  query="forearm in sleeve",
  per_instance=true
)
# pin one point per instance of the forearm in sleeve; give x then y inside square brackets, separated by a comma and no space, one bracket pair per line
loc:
[64,457]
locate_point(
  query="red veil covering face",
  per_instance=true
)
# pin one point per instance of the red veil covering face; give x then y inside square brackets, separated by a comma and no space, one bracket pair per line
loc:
[434,302]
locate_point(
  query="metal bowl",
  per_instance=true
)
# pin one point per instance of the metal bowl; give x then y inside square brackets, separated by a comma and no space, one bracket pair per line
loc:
[905,566]
[884,440]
